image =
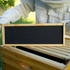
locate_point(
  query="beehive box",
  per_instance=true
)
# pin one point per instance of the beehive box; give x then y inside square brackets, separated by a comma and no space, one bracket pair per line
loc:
[16,58]
[36,58]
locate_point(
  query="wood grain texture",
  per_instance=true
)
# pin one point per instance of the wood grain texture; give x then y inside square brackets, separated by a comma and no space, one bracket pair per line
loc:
[64,34]
[14,55]
[59,52]
[3,34]
[50,24]
[67,66]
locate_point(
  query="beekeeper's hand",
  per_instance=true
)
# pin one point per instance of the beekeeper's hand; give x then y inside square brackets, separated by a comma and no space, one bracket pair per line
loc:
[4,21]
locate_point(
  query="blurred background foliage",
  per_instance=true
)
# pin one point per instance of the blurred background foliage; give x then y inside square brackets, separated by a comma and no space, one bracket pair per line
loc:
[6,3]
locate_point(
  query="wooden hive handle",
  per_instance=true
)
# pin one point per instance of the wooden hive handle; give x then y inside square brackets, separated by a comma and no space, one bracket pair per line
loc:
[25,66]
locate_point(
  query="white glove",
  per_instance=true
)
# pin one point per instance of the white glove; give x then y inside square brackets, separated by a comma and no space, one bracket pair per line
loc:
[4,20]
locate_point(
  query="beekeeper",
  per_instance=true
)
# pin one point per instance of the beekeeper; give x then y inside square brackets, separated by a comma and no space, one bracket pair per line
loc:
[47,11]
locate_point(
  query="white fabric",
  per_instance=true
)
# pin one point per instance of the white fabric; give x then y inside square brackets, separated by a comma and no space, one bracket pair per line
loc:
[29,3]
[4,20]
[42,16]
[15,13]
[56,3]
[54,15]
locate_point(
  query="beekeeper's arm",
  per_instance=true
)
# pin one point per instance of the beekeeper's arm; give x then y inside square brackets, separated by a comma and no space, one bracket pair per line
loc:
[17,12]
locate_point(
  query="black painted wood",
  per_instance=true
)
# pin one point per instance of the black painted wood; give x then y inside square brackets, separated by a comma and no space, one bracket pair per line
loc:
[34,35]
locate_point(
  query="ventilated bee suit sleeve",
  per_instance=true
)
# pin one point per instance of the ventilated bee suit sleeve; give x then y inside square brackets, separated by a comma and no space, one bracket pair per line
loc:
[17,12]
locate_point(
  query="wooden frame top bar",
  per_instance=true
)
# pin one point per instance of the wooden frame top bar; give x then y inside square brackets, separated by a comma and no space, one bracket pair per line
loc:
[49,24]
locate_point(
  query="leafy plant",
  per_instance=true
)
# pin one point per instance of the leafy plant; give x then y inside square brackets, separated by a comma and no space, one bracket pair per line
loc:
[6,3]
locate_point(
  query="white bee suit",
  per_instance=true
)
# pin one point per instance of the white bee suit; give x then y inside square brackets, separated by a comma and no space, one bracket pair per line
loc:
[16,13]
[45,11]
[56,3]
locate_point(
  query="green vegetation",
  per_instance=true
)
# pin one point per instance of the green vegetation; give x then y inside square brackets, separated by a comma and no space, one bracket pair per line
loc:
[6,3]
[1,65]
[29,20]
[0,37]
